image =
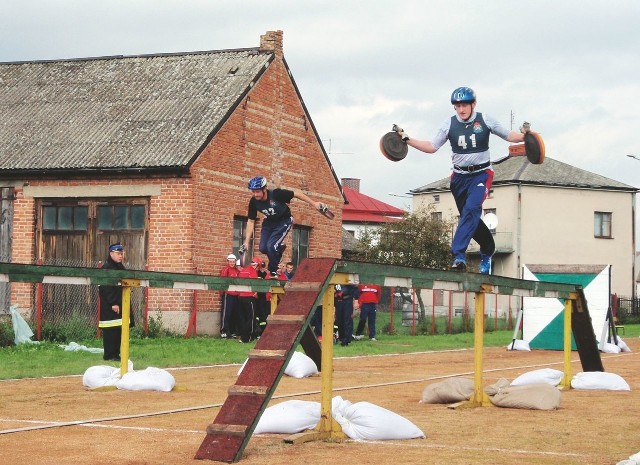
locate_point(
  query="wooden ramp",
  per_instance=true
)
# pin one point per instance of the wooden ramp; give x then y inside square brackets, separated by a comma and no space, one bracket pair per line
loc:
[584,336]
[231,430]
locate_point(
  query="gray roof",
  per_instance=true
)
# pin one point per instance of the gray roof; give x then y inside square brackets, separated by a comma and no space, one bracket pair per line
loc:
[151,112]
[518,170]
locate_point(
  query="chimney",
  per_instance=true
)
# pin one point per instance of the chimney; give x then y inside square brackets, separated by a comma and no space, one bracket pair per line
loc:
[272,40]
[351,183]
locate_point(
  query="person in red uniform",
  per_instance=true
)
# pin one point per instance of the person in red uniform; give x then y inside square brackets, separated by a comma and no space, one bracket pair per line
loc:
[247,303]
[369,299]
[228,320]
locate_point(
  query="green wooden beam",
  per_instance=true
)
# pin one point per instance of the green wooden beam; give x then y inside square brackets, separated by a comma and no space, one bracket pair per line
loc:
[427,278]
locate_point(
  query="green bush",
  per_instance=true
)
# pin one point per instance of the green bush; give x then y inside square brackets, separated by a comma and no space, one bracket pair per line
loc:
[6,333]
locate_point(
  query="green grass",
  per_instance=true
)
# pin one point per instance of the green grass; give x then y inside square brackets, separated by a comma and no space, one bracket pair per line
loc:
[48,359]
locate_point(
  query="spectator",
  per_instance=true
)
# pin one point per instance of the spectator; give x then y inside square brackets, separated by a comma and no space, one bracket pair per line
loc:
[369,299]
[247,301]
[228,319]
[288,271]
[344,301]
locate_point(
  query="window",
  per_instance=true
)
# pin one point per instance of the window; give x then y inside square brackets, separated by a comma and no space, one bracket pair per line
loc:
[436,198]
[300,244]
[239,234]
[491,211]
[65,218]
[436,216]
[121,217]
[602,225]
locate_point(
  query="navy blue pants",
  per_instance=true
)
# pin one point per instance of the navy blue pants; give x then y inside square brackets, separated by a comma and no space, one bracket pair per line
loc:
[367,315]
[271,238]
[470,191]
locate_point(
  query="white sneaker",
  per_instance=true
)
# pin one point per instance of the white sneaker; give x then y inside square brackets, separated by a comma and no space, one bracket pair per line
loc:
[357,337]
[373,339]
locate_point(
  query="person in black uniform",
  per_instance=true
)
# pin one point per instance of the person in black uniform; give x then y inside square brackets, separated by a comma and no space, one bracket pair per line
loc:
[274,205]
[344,297]
[111,307]
[468,133]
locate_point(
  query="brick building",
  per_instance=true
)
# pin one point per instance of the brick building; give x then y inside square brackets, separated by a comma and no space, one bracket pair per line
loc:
[156,151]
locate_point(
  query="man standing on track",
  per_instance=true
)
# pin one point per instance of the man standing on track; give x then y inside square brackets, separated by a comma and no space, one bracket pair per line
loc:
[468,133]
[368,300]
[111,307]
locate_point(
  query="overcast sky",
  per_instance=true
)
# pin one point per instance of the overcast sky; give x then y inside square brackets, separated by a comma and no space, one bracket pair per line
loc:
[571,68]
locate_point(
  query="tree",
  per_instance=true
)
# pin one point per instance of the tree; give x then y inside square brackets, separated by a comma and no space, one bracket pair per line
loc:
[418,240]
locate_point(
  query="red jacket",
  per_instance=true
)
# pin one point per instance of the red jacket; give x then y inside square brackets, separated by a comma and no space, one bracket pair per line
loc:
[369,293]
[248,272]
[229,272]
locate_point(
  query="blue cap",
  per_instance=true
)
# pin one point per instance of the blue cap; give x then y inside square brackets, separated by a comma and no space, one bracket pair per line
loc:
[116,248]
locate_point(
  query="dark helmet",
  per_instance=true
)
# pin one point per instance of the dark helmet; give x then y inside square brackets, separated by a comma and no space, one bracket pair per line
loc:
[463,95]
[257,183]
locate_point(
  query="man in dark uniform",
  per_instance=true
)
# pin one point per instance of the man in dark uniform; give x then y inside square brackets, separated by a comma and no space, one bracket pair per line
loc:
[111,307]
[344,297]
[274,205]
[468,133]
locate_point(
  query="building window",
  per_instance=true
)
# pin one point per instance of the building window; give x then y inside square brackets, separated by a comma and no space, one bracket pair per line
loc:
[602,224]
[121,217]
[436,198]
[239,234]
[492,211]
[65,218]
[436,216]
[300,244]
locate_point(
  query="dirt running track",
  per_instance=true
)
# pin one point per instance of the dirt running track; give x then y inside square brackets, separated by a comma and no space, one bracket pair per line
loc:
[591,427]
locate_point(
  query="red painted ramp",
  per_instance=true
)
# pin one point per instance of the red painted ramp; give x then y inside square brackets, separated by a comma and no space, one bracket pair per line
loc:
[231,430]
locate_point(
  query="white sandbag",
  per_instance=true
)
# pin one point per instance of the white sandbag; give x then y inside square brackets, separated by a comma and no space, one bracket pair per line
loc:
[623,346]
[519,344]
[609,348]
[544,375]
[363,420]
[100,376]
[150,379]
[599,380]
[291,416]
[448,391]
[541,396]
[301,366]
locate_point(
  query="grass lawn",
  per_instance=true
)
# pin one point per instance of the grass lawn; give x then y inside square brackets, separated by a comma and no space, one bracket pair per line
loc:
[49,359]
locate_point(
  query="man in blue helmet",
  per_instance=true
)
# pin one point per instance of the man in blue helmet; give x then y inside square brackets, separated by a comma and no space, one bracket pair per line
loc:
[274,205]
[468,133]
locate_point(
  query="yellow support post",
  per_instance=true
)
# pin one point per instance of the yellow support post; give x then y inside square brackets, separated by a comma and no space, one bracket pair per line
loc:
[127,284]
[479,398]
[568,308]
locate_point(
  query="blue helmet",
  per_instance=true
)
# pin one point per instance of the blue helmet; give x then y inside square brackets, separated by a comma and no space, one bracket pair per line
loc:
[257,183]
[463,95]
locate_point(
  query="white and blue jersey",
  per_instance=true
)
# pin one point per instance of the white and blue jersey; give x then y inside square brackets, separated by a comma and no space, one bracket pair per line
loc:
[469,139]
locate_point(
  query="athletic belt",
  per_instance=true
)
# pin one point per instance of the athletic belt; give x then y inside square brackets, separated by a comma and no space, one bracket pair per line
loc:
[472,168]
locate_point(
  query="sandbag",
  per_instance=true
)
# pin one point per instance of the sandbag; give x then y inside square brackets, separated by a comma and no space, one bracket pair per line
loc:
[149,379]
[609,348]
[363,420]
[541,396]
[100,376]
[544,375]
[448,391]
[623,345]
[599,380]
[300,366]
[519,344]
[291,416]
